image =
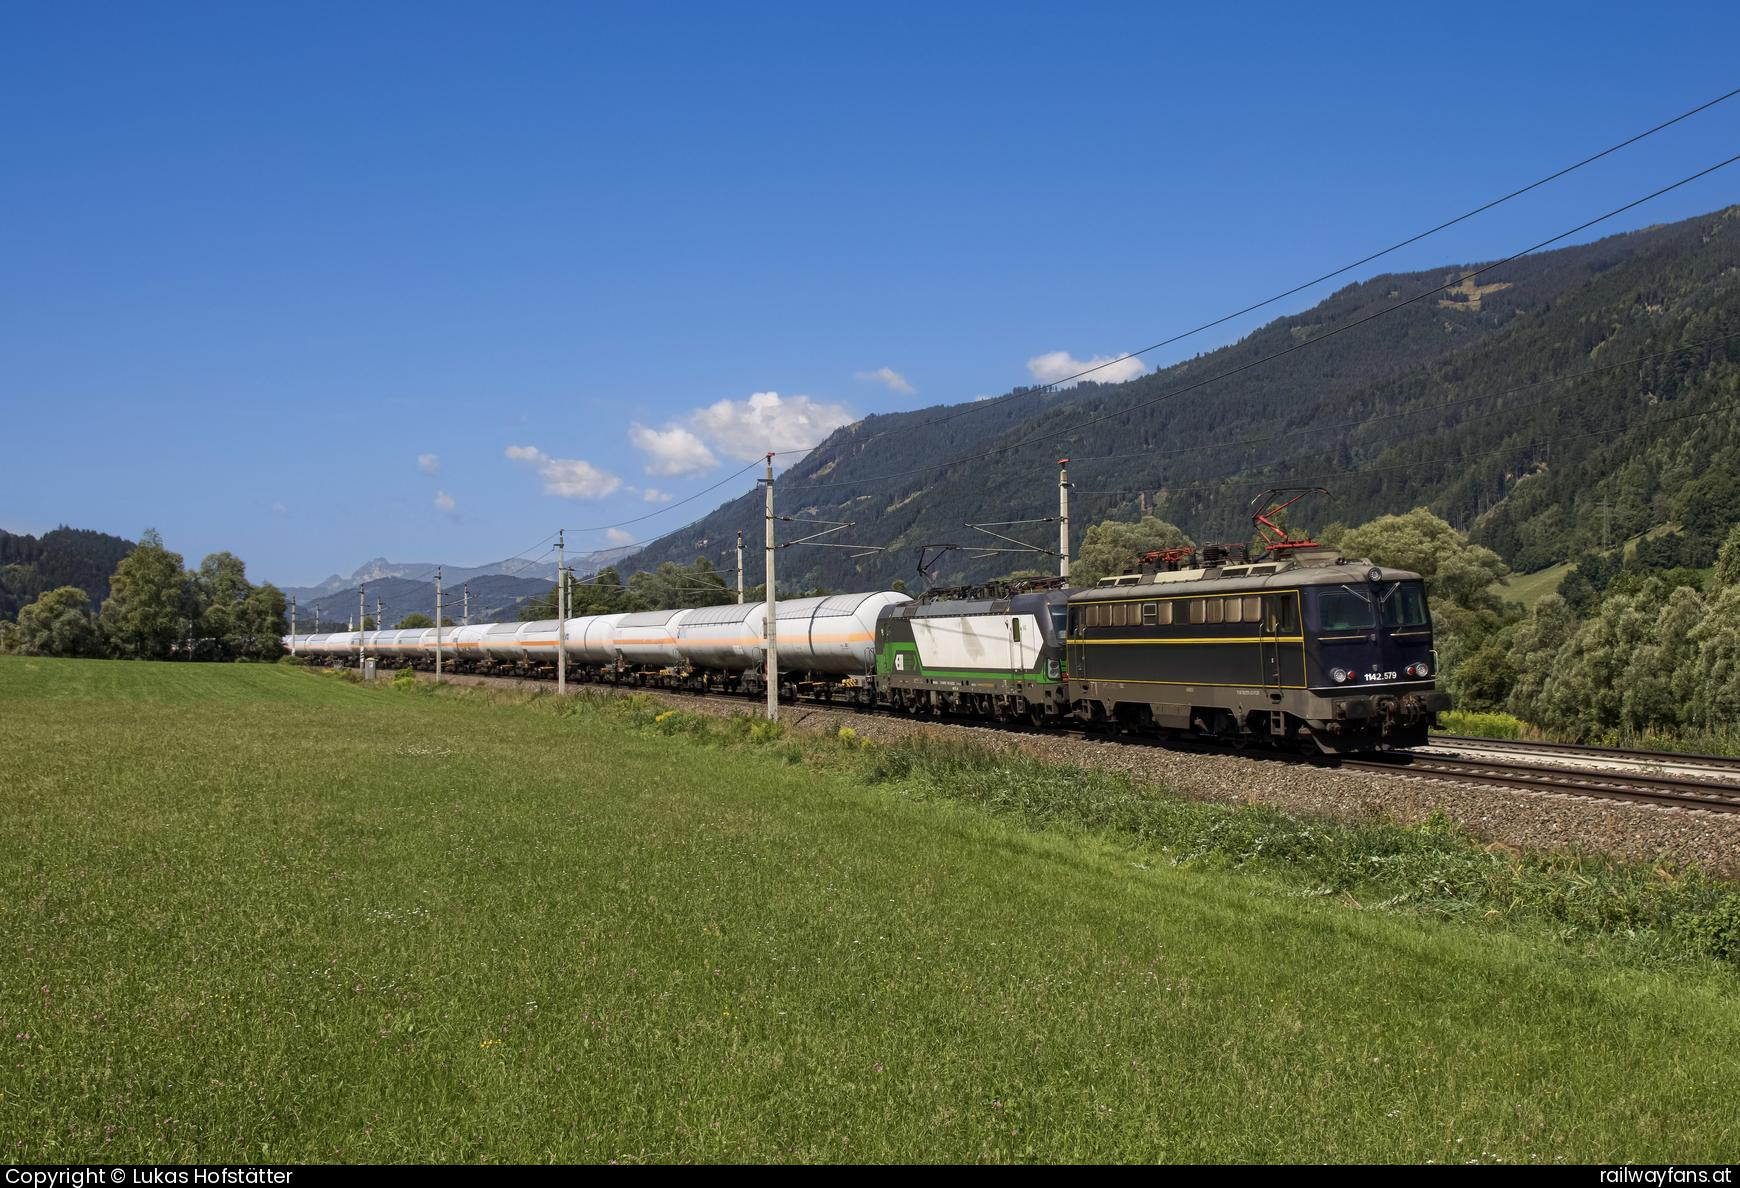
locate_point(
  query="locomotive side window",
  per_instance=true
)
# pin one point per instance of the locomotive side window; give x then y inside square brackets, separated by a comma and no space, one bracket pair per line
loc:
[1345,609]
[1278,615]
[1119,617]
[1216,611]
[1197,614]
[1165,619]
[1253,608]
[1150,614]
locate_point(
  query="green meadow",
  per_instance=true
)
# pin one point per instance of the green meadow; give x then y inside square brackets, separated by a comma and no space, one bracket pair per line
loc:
[258,913]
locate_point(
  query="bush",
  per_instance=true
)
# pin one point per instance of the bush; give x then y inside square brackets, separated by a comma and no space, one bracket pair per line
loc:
[1483,725]
[1716,932]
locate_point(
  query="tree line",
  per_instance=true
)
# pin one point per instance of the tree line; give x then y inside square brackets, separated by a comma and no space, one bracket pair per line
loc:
[157,609]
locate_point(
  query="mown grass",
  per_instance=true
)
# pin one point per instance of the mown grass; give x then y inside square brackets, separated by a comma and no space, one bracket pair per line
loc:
[252,912]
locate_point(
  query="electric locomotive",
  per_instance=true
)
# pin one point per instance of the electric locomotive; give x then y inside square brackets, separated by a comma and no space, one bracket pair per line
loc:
[1307,646]
[994,651]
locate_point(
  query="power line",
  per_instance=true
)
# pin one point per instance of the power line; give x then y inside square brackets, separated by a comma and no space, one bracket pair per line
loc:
[1299,346]
[981,405]
[671,507]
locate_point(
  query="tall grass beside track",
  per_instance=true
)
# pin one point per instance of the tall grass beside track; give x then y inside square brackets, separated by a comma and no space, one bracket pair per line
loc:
[260,913]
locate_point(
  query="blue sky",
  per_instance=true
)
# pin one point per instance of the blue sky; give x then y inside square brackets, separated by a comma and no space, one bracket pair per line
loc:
[320,283]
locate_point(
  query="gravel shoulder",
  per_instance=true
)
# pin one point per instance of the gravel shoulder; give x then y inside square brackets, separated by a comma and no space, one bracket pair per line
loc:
[1503,816]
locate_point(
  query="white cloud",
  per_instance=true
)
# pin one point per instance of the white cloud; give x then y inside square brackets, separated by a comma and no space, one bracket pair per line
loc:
[570,477]
[617,536]
[1057,366]
[654,495]
[429,463]
[890,377]
[747,429]
[673,450]
[444,501]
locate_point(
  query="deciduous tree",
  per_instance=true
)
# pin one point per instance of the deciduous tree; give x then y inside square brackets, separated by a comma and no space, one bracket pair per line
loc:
[150,602]
[1112,546]
[58,624]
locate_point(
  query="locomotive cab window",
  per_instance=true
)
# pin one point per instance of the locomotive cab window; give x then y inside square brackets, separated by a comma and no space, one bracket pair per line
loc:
[1405,605]
[1344,609]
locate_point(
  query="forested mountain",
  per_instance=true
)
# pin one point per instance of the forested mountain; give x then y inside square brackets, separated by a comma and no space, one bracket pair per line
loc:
[30,565]
[1549,403]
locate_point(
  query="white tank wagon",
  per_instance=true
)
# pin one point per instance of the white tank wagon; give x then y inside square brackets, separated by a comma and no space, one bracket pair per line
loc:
[499,642]
[537,641]
[824,642]
[835,634]
[646,639]
[589,638]
[402,644]
[729,638]
[468,640]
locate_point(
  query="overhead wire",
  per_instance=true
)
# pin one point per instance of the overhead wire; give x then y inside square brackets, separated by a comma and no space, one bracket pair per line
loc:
[1462,278]
[1054,385]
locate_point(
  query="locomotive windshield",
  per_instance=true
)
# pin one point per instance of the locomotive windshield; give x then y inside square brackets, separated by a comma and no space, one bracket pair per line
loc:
[1405,605]
[1060,620]
[1346,609]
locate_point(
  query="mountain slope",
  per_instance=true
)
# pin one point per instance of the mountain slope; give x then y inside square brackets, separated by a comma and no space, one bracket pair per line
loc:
[380,569]
[1425,404]
[493,597]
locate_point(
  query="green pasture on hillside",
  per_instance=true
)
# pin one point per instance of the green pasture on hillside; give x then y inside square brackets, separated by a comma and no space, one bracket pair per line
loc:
[257,913]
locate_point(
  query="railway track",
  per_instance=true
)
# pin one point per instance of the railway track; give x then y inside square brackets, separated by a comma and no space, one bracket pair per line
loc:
[1679,792]
[1681,760]
[1639,787]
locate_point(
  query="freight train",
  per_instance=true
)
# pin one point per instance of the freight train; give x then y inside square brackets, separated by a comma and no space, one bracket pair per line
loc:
[1303,648]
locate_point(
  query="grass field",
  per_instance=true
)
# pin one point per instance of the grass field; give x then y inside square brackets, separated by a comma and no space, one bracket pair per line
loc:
[1530,588]
[255,913]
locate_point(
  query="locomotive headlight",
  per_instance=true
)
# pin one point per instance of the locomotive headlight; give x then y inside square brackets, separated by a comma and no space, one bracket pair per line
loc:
[1339,675]
[1419,670]
[1374,574]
